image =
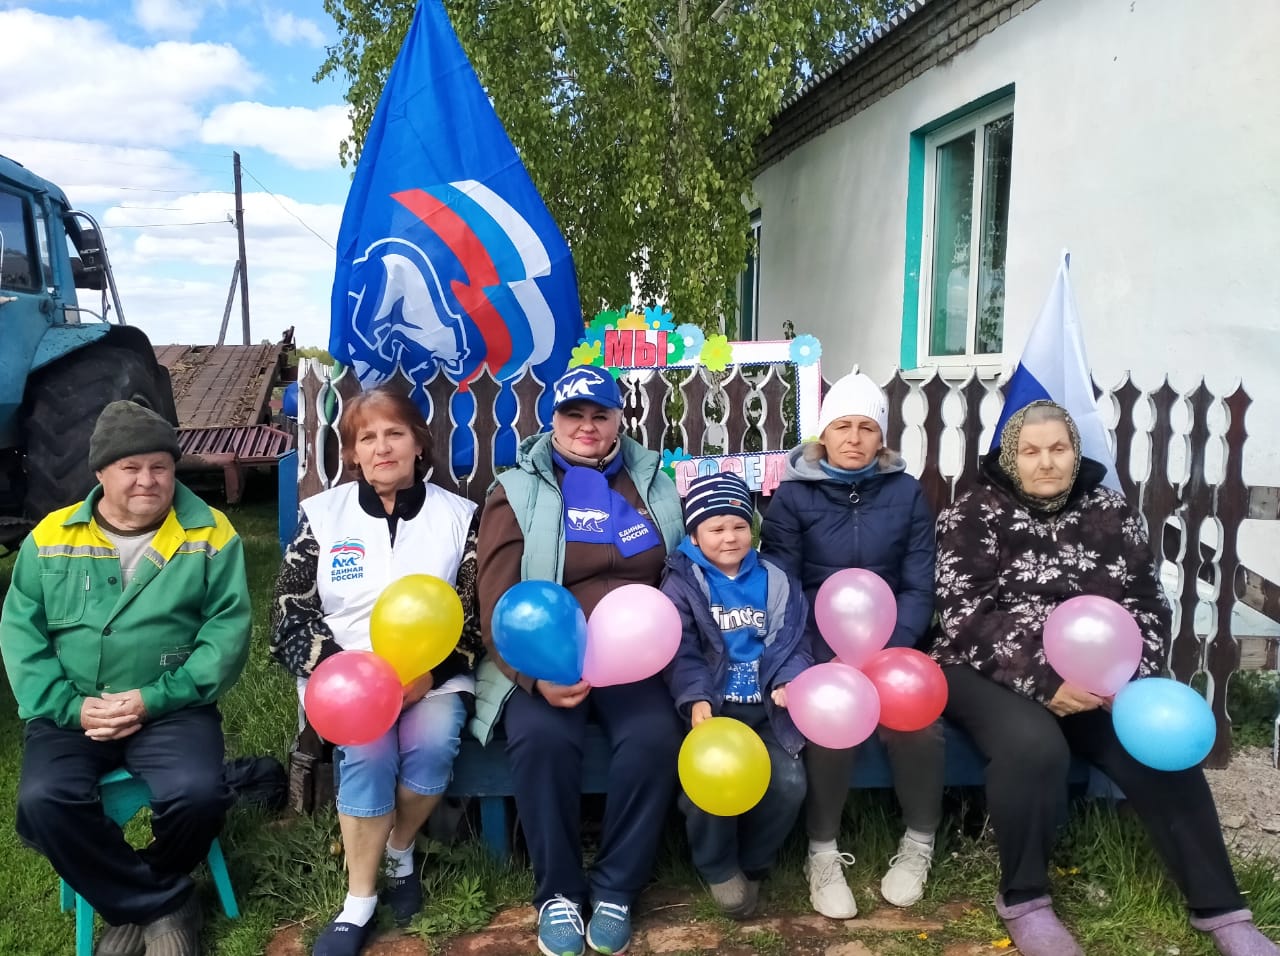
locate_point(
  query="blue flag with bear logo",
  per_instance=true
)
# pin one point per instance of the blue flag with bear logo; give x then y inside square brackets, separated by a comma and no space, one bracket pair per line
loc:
[447,256]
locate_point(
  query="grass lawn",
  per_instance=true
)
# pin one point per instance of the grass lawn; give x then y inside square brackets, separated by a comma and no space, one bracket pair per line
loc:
[1108,885]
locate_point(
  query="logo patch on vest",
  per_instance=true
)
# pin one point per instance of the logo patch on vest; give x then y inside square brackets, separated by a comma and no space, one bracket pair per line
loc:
[347,557]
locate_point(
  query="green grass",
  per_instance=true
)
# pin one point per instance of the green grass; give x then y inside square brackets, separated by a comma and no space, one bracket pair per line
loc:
[1108,885]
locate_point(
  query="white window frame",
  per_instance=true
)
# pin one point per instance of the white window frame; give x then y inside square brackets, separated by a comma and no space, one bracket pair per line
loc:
[972,122]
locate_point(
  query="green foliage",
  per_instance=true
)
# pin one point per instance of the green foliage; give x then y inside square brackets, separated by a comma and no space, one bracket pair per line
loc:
[1252,701]
[637,121]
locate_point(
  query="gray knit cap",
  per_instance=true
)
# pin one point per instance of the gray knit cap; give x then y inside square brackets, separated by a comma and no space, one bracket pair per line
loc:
[127,428]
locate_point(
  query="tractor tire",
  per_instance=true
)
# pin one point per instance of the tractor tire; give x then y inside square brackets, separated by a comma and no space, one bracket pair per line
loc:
[62,405]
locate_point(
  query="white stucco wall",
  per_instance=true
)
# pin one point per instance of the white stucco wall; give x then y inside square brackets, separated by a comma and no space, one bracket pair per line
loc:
[1146,140]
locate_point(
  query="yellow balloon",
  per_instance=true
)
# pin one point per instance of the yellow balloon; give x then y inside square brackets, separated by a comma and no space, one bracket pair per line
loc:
[724,766]
[416,624]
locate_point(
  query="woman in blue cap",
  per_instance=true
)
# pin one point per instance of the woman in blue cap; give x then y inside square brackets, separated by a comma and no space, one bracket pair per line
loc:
[591,509]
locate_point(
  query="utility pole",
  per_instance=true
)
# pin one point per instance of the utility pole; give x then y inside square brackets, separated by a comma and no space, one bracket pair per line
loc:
[243,263]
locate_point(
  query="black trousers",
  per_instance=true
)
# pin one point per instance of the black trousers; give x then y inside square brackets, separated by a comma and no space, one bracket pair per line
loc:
[179,756]
[1028,751]
[545,746]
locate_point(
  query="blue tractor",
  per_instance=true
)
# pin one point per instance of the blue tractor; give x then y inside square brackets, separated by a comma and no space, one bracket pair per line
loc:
[60,362]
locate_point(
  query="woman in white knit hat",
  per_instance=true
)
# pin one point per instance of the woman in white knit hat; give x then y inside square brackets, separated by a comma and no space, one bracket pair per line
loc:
[848,502]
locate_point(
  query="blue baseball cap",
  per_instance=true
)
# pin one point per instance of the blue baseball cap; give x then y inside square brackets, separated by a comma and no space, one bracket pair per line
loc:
[586,384]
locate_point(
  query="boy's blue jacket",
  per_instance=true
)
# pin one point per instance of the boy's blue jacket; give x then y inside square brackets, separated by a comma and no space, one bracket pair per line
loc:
[700,665]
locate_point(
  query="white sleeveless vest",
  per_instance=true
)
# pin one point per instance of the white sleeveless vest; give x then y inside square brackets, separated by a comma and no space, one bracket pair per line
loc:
[357,559]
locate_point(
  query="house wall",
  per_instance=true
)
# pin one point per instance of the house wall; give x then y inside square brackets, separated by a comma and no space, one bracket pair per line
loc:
[1145,141]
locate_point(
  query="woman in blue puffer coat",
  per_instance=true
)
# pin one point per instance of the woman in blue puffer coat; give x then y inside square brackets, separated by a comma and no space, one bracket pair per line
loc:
[847,502]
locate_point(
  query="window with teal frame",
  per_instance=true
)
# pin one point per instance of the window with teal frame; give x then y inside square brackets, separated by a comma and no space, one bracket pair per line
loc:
[749,286]
[957,232]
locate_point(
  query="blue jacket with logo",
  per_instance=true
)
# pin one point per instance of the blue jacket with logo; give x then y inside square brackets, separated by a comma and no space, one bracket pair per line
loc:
[701,664]
[816,525]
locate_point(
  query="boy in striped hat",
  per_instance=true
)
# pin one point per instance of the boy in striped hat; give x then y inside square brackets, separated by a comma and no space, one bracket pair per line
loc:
[742,642]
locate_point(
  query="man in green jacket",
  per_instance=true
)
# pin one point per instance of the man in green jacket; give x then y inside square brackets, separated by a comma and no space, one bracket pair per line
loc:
[126,619]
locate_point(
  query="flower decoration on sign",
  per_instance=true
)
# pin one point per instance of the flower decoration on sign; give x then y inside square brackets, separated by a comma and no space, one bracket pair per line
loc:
[675,348]
[670,458]
[585,353]
[692,338]
[658,319]
[605,321]
[805,350]
[632,321]
[716,353]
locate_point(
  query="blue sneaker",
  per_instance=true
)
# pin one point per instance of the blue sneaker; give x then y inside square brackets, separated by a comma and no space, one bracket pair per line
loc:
[610,928]
[559,928]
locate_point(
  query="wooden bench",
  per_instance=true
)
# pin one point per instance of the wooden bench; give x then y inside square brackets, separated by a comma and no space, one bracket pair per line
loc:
[484,774]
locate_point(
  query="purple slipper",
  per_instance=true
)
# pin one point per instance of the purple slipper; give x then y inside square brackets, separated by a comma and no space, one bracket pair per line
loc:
[1035,930]
[1235,935]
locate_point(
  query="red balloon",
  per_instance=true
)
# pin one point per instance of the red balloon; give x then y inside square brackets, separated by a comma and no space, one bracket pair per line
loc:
[353,698]
[912,690]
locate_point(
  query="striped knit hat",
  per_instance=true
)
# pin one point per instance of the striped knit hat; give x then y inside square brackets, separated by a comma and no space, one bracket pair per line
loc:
[712,495]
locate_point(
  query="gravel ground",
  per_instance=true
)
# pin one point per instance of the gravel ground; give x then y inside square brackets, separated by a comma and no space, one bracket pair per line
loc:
[1248,805]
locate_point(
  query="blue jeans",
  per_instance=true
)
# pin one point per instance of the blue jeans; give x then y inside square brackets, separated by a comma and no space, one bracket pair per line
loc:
[721,846]
[417,752]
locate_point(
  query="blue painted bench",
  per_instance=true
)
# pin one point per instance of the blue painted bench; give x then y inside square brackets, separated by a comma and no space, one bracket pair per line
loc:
[484,774]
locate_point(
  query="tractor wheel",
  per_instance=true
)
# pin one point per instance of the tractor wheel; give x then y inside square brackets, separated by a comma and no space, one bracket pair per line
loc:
[61,408]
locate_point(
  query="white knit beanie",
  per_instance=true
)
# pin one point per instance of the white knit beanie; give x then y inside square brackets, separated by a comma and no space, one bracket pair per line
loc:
[855,394]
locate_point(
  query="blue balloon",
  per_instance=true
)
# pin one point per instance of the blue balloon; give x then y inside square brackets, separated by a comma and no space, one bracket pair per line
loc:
[1163,723]
[289,400]
[540,630]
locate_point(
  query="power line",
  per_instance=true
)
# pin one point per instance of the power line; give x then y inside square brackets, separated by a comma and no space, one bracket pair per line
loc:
[245,170]
[163,225]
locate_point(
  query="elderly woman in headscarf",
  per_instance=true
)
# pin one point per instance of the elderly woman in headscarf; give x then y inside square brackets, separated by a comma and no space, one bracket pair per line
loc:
[1040,529]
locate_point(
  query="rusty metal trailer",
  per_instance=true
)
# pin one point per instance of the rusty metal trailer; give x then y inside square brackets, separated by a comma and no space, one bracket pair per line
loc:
[223,396]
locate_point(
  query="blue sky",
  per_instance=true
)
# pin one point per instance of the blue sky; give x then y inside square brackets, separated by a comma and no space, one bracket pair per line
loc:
[134,108]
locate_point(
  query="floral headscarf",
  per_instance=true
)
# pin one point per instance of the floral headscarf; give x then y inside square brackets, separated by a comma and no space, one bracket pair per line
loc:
[1008,460]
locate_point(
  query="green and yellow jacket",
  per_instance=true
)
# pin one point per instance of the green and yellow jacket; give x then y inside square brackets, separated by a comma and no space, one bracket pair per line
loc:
[179,632]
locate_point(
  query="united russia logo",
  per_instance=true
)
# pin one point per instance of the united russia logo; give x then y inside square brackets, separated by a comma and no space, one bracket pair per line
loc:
[346,560]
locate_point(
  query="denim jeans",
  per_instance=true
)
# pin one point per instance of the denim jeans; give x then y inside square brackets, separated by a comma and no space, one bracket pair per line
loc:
[721,846]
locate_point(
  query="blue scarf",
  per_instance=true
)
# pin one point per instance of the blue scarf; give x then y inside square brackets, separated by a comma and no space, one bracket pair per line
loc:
[849,476]
[596,514]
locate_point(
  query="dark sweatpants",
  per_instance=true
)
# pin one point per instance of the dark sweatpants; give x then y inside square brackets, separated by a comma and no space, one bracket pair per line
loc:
[916,761]
[179,756]
[544,744]
[1028,751]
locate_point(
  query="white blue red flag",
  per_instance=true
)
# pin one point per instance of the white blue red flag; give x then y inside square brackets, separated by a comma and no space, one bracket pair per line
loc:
[447,255]
[1053,366]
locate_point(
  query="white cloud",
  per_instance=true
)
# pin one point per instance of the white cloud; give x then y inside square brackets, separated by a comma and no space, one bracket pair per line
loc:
[107,91]
[303,138]
[91,174]
[167,17]
[290,269]
[287,29]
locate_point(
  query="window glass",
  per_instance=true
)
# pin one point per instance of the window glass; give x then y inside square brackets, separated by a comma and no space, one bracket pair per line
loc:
[17,271]
[997,161]
[952,224]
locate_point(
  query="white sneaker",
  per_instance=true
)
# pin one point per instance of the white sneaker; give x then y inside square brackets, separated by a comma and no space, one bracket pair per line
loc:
[828,891]
[903,885]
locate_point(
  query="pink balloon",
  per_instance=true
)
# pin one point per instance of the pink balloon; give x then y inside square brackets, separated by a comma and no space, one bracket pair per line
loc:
[834,705]
[353,698]
[1093,642]
[633,633]
[856,613]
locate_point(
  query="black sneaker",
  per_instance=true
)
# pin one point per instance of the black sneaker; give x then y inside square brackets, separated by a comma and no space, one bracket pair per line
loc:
[343,939]
[403,897]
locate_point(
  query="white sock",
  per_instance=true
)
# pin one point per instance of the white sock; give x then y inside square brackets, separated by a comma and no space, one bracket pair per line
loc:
[822,846]
[357,909]
[401,860]
[921,837]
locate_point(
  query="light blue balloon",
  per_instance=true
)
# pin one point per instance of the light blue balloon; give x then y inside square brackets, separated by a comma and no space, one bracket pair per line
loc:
[540,630]
[1163,723]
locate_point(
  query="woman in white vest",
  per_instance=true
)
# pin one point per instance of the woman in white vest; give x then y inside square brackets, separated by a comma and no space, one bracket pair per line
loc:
[352,541]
